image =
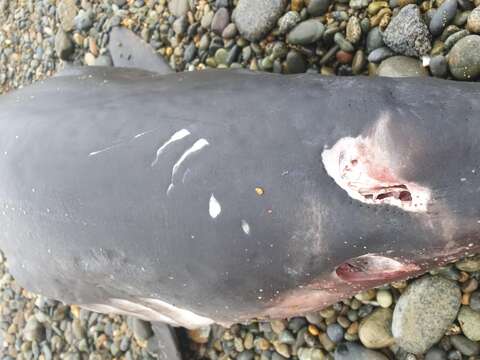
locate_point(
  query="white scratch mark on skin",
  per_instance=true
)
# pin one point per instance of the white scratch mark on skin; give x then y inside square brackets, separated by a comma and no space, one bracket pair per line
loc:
[185,175]
[175,137]
[197,146]
[103,150]
[214,207]
[245,227]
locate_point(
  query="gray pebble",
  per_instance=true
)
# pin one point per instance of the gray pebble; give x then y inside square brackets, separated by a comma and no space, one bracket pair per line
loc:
[286,337]
[255,18]
[33,330]
[354,351]
[424,312]
[380,54]
[473,21]
[83,20]
[180,25]
[454,38]
[295,63]
[465,346]
[317,7]
[230,31]
[67,10]
[407,34]
[335,332]
[374,39]
[233,54]
[220,20]
[64,46]
[443,16]
[288,21]
[178,7]
[306,32]
[296,323]
[439,66]
[436,353]
[190,52]
[358,4]
[469,321]
[342,42]
[464,58]
[245,355]
[475,301]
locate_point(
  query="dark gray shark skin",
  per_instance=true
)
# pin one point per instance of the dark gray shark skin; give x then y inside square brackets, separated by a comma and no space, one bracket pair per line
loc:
[204,194]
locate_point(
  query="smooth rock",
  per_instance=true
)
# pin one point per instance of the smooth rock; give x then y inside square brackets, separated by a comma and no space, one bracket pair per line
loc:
[340,40]
[358,4]
[220,21]
[288,21]
[469,321]
[470,264]
[466,346]
[380,54]
[424,312]
[464,64]
[178,7]
[374,39]
[407,34]
[454,38]
[33,331]
[436,353]
[439,66]
[443,16]
[335,332]
[473,21]
[354,351]
[255,18]
[67,10]
[64,46]
[83,20]
[353,30]
[295,63]
[230,31]
[306,32]
[475,301]
[401,66]
[375,329]
[317,7]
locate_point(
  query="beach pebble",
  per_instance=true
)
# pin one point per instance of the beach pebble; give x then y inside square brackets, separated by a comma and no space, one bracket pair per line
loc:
[401,66]
[442,17]
[407,34]
[464,64]
[424,312]
[255,18]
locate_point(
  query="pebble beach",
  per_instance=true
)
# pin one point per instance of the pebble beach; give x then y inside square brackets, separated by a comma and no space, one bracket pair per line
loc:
[434,317]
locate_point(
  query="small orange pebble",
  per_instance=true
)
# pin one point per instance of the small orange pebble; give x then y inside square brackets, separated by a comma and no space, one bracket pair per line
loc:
[312,329]
[466,298]
[353,328]
[259,191]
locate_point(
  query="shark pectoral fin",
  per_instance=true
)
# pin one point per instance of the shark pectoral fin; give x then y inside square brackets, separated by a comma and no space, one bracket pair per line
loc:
[128,50]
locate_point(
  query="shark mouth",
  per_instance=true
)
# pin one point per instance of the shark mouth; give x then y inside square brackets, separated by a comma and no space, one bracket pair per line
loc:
[358,167]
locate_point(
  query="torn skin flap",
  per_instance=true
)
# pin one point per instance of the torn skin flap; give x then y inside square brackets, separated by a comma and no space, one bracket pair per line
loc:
[355,166]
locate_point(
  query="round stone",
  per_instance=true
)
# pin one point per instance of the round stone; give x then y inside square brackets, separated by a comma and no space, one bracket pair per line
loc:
[255,18]
[220,20]
[306,32]
[473,21]
[470,264]
[380,54]
[295,63]
[384,298]
[401,66]
[466,346]
[469,321]
[374,39]
[436,353]
[317,7]
[475,301]
[178,7]
[375,329]
[67,10]
[335,332]
[439,66]
[288,21]
[354,351]
[424,312]
[407,34]
[464,64]
[443,16]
